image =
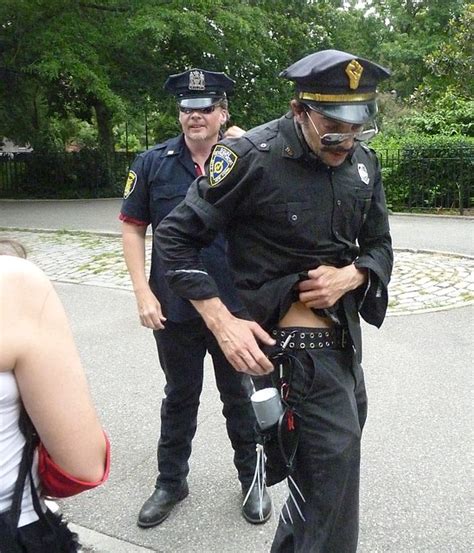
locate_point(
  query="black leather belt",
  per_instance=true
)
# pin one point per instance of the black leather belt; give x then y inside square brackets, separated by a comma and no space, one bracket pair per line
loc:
[311,338]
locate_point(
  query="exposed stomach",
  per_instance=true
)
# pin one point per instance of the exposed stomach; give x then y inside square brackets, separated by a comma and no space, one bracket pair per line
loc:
[300,315]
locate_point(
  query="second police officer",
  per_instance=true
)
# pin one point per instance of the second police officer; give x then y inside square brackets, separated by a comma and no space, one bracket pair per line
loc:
[158,180]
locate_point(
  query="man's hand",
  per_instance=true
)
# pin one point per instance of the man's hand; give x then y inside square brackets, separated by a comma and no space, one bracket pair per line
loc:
[236,337]
[234,132]
[326,285]
[149,309]
[238,340]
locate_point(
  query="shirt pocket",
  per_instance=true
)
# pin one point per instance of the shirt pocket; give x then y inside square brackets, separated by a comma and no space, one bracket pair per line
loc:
[283,221]
[362,203]
[165,197]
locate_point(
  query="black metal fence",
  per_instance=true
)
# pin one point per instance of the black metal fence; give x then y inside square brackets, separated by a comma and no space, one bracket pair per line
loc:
[414,179]
[428,178]
[84,174]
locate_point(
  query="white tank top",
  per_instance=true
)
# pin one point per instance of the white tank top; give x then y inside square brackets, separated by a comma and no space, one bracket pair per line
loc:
[11,449]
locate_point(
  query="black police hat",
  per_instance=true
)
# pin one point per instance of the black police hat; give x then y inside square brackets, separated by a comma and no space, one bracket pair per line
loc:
[337,84]
[198,88]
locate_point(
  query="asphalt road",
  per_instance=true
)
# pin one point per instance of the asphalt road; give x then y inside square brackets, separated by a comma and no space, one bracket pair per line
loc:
[419,232]
[417,465]
[417,449]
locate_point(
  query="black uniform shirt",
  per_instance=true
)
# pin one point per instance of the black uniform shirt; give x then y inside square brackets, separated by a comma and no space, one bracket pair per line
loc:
[163,176]
[283,212]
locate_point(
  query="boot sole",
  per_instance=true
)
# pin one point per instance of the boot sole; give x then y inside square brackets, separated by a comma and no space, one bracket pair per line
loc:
[266,518]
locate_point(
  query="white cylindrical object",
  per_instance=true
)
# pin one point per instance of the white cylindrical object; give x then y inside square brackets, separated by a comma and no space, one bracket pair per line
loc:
[267,407]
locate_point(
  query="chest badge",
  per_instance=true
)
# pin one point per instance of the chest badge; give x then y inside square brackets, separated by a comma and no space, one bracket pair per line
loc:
[363,173]
[130,184]
[222,162]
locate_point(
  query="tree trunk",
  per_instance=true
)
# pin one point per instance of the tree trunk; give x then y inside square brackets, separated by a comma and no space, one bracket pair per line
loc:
[104,127]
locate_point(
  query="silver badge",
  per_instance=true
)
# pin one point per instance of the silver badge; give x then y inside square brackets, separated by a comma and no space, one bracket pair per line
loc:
[363,173]
[196,80]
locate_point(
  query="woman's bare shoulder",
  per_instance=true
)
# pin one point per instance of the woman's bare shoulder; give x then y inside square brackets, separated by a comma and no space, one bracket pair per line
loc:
[12,266]
[22,278]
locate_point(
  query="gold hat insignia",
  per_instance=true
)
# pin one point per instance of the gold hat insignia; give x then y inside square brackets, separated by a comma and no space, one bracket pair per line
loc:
[354,71]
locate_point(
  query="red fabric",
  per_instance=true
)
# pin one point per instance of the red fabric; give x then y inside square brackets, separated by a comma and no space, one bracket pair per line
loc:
[55,482]
[127,219]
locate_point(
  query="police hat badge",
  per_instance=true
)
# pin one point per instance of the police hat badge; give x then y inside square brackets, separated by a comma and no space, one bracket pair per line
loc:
[197,88]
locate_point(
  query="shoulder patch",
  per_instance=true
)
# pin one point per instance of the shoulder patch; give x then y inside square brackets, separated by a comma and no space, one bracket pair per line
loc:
[130,184]
[222,162]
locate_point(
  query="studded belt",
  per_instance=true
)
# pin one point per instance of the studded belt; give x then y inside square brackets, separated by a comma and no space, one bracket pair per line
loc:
[311,338]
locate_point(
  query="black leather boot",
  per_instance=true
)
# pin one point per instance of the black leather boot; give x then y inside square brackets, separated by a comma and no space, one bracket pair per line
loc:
[256,510]
[159,505]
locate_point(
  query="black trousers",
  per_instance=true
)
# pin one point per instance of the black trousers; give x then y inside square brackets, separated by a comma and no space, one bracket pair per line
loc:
[332,415]
[181,350]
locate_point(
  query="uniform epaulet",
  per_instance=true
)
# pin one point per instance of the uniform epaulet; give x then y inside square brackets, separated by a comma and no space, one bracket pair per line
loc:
[367,148]
[261,137]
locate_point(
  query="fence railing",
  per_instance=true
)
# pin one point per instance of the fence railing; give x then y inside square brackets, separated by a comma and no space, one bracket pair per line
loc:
[414,179]
[84,174]
[428,178]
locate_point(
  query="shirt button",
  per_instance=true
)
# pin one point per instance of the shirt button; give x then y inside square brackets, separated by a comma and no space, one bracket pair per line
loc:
[294,217]
[339,202]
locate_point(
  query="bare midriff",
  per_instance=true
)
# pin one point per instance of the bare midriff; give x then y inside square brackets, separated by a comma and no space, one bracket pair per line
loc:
[300,315]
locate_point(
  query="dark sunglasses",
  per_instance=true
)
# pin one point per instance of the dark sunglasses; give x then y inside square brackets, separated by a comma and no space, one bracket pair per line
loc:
[206,111]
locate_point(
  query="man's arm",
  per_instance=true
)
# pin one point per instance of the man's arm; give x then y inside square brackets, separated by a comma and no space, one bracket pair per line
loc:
[133,243]
[236,337]
[178,239]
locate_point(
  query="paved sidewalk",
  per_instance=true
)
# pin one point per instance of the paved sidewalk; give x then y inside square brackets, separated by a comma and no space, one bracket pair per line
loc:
[422,281]
[417,457]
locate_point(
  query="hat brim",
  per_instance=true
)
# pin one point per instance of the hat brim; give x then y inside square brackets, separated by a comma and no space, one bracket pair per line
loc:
[199,103]
[355,114]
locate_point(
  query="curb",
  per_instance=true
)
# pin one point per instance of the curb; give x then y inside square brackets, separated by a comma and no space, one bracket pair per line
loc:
[430,215]
[102,543]
[118,235]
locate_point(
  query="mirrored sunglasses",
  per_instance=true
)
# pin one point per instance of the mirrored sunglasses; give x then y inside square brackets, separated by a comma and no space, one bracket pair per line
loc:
[206,110]
[336,138]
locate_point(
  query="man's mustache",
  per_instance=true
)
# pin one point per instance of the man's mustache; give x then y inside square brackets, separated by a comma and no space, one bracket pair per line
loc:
[336,149]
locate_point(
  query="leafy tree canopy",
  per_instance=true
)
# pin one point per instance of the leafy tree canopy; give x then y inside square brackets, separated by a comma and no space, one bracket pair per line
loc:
[69,67]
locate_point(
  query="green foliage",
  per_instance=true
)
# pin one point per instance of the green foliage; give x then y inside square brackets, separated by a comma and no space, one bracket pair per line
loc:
[103,63]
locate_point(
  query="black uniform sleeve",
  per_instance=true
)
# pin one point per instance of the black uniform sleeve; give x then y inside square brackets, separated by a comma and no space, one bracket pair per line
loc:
[209,205]
[136,204]
[376,255]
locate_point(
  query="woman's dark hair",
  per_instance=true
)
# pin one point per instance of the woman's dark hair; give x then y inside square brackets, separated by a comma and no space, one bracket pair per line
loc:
[8,246]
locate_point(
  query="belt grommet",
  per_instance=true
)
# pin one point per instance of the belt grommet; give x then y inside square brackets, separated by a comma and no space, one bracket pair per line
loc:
[302,345]
[291,344]
[282,333]
[302,335]
[311,335]
[326,334]
[320,344]
[320,334]
[328,344]
[311,345]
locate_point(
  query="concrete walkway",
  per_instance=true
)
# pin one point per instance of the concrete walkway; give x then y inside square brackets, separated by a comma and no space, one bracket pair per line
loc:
[417,456]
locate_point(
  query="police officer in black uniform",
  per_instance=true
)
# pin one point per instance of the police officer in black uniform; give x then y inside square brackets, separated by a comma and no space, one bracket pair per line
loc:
[157,182]
[302,204]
